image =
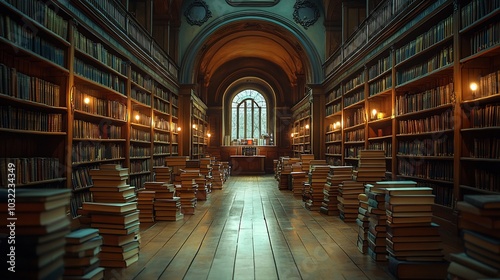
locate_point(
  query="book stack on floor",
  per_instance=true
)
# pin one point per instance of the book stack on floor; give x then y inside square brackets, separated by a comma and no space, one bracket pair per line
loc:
[479,222]
[372,166]
[420,250]
[145,204]
[377,217]
[337,175]
[305,161]
[187,190]
[39,224]
[217,180]
[116,216]
[202,190]
[363,222]
[176,163]
[317,180]
[168,209]
[81,259]
[298,177]
[225,170]
[347,198]
[163,174]
[286,170]
[206,171]
[118,224]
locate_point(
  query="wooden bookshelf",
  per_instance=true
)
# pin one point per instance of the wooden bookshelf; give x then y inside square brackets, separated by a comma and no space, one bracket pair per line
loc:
[199,128]
[301,130]
[417,76]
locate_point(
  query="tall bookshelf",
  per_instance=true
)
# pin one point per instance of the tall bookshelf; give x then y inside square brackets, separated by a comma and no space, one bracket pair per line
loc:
[70,93]
[418,102]
[301,130]
[199,128]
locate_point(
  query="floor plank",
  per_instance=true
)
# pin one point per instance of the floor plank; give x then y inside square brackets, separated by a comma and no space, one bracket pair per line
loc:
[251,230]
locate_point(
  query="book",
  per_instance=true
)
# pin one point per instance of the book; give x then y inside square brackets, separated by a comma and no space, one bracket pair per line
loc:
[81,235]
[420,230]
[32,200]
[115,219]
[110,207]
[491,201]
[408,191]
[417,270]
[79,271]
[464,206]
[120,263]
[96,273]
[481,240]
[89,244]
[410,199]
[480,267]
[464,272]
[37,218]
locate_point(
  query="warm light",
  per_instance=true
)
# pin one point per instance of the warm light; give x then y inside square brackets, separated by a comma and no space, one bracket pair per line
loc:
[179,128]
[307,126]
[473,86]
[209,135]
[86,100]
[374,113]
[195,126]
[336,125]
[291,134]
[137,117]
[380,115]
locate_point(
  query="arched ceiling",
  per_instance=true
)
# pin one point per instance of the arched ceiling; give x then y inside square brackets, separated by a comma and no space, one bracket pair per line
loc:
[247,42]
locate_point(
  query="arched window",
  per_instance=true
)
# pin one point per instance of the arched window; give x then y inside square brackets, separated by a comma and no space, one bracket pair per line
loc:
[248,115]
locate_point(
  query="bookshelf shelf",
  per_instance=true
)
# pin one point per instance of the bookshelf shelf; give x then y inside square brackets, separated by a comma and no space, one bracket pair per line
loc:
[42,182]
[94,162]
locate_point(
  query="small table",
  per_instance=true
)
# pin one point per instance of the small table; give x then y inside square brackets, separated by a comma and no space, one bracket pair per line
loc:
[247,165]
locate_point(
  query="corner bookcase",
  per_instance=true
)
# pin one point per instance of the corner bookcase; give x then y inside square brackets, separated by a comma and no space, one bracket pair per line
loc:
[301,129]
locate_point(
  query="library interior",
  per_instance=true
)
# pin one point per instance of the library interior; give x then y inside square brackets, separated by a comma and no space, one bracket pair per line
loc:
[250,139]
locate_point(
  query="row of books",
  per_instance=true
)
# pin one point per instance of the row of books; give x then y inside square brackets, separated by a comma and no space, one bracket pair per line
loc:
[141,96]
[98,106]
[334,149]
[435,34]
[333,108]
[142,80]
[161,123]
[140,135]
[87,151]
[355,117]
[383,64]
[139,151]
[442,58]
[352,152]
[485,38]
[99,52]
[380,85]
[357,80]
[107,79]
[331,137]
[335,94]
[30,40]
[22,86]
[161,105]
[442,146]
[384,145]
[161,137]
[428,99]
[77,201]
[434,123]
[487,116]
[488,148]
[80,177]
[354,97]
[161,94]
[139,180]
[488,85]
[487,179]
[141,118]
[426,169]
[475,10]
[29,170]
[43,13]
[24,119]
[355,135]
[84,129]
[137,166]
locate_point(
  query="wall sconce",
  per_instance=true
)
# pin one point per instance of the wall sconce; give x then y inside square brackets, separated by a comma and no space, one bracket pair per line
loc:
[209,135]
[86,100]
[307,126]
[178,129]
[473,86]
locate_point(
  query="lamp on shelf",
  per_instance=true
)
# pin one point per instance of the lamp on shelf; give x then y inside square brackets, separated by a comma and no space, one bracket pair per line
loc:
[307,126]
[178,129]
[86,100]
[473,86]
[374,114]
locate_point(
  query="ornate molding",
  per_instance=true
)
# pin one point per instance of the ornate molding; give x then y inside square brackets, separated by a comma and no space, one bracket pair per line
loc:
[197,12]
[305,13]
[252,3]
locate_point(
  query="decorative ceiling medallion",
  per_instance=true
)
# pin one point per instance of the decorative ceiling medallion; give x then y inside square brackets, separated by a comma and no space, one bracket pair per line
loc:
[252,3]
[197,13]
[305,13]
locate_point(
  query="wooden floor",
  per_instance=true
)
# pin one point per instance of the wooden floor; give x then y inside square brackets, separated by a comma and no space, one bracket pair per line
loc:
[251,230]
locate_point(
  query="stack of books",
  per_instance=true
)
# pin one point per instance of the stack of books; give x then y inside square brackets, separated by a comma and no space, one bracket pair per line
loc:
[317,180]
[81,259]
[413,241]
[225,169]
[286,170]
[110,184]
[305,161]
[39,223]
[176,163]
[187,190]
[168,209]
[206,171]
[347,198]
[118,224]
[363,222]
[336,176]
[372,166]
[202,191]
[479,222]
[377,217]
[298,177]
[163,174]
[217,179]
[145,204]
